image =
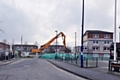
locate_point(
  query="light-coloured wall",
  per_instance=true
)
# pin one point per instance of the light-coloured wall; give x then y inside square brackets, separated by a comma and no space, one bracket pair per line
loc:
[85,37]
[100,44]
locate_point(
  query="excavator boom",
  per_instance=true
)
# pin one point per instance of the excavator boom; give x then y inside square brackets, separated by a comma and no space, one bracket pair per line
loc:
[49,42]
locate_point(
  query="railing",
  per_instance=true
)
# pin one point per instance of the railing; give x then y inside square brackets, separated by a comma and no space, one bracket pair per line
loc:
[87,63]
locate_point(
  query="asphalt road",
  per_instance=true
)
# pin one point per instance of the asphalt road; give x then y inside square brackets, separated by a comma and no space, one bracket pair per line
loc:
[34,69]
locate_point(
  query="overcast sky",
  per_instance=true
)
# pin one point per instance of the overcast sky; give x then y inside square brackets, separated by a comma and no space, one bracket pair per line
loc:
[37,20]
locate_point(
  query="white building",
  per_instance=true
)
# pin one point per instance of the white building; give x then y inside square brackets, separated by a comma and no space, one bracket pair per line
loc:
[96,43]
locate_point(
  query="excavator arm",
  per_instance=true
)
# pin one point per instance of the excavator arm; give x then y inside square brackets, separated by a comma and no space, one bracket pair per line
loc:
[49,42]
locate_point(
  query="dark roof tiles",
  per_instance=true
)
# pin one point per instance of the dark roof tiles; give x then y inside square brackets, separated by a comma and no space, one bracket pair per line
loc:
[97,32]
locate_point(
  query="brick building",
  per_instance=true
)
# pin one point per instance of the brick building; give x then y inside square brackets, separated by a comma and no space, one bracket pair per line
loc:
[4,47]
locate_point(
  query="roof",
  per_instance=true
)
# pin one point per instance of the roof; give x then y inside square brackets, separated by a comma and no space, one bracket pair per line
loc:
[56,45]
[97,32]
[3,43]
[23,45]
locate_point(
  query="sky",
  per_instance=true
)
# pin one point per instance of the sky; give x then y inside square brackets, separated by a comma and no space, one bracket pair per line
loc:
[37,20]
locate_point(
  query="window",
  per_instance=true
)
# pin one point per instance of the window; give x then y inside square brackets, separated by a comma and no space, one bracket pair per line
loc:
[18,47]
[85,48]
[95,36]
[106,42]
[106,36]
[95,42]
[95,48]
[106,48]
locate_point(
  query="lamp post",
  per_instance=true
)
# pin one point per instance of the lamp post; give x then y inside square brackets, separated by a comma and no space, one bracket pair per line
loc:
[81,57]
[75,48]
[115,30]
[21,39]
[56,41]
[75,44]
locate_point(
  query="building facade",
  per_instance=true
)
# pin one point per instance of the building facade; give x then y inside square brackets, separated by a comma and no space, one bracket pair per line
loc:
[4,47]
[19,47]
[59,48]
[96,43]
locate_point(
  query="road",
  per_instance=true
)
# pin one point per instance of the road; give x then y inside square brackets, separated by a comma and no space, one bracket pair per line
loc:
[34,69]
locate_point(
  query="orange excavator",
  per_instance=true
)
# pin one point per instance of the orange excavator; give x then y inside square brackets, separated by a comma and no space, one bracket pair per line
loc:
[49,42]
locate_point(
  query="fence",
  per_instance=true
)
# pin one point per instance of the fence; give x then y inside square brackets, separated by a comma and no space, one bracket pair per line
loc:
[88,61]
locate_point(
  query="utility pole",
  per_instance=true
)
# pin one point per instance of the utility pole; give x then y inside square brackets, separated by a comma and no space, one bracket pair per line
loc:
[21,39]
[56,41]
[56,45]
[75,48]
[81,61]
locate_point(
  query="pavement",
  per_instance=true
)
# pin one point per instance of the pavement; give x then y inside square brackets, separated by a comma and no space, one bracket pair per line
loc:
[8,61]
[88,73]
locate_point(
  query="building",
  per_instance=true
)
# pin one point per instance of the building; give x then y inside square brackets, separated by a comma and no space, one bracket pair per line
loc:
[96,43]
[4,47]
[60,48]
[19,47]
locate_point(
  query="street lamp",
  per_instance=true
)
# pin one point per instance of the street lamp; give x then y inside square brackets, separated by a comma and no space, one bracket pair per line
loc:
[75,44]
[75,48]
[21,39]
[81,61]
[56,41]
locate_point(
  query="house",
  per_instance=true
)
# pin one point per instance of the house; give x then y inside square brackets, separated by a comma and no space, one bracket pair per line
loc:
[4,47]
[19,47]
[60,48]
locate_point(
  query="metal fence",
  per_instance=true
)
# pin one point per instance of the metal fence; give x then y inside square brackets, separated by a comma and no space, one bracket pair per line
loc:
[87,63]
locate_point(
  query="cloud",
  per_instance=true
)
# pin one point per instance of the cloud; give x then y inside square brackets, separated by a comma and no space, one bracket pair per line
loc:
[37,20]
